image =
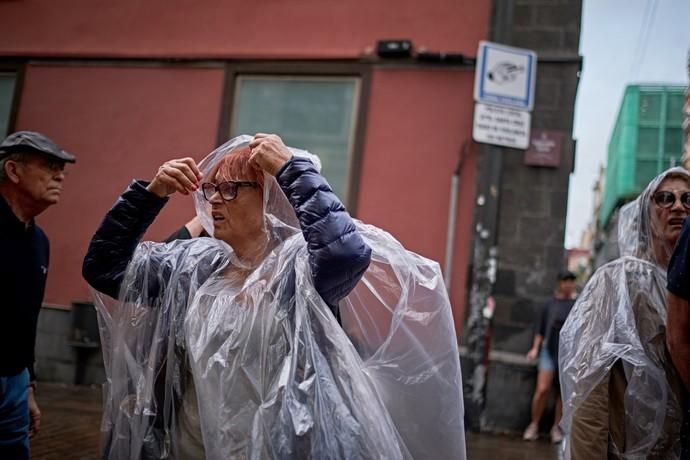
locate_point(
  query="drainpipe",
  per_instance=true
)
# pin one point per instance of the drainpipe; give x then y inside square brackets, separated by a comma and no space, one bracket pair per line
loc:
[452,215]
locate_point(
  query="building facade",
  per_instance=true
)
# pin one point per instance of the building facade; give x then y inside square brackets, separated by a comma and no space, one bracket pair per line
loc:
[129,85]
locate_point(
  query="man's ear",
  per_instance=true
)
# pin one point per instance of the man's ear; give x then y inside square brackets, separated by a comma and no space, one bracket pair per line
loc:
[12,171]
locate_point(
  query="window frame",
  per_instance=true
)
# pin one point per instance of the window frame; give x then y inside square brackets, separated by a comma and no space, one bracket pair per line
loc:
[18,68]
[307,69]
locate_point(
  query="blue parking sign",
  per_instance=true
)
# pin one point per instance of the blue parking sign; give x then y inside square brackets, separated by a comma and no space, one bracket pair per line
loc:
[505,76]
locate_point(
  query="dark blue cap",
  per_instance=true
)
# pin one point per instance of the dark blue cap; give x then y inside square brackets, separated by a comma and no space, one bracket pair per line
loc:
[29,141]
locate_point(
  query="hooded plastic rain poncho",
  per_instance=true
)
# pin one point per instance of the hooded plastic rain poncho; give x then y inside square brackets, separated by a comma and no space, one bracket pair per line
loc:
[253,357]
[619,388]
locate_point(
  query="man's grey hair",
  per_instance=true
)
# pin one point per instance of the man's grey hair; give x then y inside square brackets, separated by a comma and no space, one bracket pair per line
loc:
[3,160]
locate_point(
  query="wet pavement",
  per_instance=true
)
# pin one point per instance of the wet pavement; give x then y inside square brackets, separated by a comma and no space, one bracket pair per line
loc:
[70,422]
[495,447]
[71,417]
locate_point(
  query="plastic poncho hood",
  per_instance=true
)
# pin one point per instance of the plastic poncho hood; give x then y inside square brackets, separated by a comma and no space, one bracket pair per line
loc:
[247,361]
[619,320]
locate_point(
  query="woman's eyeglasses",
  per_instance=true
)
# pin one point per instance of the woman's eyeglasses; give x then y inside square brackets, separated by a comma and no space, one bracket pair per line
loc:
[666,199]
[227,189]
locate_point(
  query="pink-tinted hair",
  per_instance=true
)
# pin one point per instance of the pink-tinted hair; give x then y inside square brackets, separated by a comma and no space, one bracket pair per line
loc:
[235,166]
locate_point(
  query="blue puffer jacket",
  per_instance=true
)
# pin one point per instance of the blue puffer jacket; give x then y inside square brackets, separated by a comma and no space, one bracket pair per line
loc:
[338,256]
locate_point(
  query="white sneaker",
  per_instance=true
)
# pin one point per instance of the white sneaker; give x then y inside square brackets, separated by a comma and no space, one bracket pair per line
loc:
[556,435]
[531,433]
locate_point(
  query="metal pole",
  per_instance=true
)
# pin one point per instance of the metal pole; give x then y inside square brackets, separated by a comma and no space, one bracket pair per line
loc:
[485,256]
[450,232]
[453,215]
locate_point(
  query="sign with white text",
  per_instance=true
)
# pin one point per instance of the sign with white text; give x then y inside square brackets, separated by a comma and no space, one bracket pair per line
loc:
[501,126]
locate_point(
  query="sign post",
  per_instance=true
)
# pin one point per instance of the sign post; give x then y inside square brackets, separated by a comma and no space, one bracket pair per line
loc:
[504,91]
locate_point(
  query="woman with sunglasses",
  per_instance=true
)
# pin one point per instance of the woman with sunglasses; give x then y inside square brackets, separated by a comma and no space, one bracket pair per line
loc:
[622,397]
[294,332]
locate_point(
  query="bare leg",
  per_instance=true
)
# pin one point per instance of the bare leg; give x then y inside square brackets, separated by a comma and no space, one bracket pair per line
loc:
[558,410]
[544,380]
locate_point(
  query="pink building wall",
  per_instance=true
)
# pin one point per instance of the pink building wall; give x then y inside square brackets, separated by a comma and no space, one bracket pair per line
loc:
[123,119]
[262,29]
[418,121]
[121,123]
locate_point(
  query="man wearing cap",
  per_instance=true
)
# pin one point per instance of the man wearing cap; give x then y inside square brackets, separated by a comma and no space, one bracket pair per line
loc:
[31,178]
[545,347]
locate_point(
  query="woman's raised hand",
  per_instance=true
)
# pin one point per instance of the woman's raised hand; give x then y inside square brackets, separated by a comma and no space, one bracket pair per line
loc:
[268,153]
[179,175]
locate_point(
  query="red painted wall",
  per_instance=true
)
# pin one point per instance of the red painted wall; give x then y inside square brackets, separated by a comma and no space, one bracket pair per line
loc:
[418,121]
[121,123]
[235,28]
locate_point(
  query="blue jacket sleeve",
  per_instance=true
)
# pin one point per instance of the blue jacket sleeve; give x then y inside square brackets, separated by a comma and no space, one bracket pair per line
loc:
[678,276]
[116,239]
[338,256]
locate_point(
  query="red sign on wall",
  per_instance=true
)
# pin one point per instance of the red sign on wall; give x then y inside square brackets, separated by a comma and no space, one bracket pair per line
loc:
[544,148]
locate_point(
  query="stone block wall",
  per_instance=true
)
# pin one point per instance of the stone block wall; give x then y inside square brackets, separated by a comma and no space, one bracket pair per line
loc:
[56,357]
[533,200]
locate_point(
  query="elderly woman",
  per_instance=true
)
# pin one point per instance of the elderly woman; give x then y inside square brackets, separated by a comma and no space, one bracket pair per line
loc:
[283,335]
[621,393]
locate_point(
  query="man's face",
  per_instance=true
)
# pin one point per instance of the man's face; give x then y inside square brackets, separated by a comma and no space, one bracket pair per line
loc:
[40,177]
[566,287]
[670,219]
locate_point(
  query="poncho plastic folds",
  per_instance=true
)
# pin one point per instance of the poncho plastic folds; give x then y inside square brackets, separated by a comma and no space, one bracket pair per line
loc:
[250,362]
[621,394]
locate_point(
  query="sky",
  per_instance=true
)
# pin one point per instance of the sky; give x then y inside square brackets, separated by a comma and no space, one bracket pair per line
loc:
[623,42]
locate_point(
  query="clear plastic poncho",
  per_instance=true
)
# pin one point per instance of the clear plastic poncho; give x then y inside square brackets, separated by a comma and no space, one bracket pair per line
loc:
[612,355]
[240,361]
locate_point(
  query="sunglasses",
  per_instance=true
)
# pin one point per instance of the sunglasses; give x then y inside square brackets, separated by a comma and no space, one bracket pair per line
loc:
[227,189]
[668,199]
[49,164]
